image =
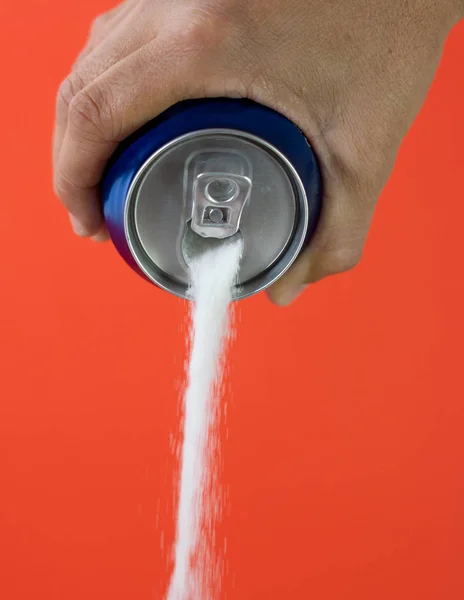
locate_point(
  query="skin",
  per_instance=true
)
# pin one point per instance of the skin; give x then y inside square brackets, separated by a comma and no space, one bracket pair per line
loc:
[352,74]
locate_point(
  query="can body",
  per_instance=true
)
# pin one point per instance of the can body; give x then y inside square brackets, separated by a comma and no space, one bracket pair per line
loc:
[162,186]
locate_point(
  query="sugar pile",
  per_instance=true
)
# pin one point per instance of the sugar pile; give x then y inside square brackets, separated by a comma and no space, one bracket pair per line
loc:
[213,273]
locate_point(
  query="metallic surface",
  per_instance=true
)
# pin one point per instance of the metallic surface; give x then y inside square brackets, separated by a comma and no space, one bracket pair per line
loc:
[219,217]
[291,167]
[159,206]
[217,185]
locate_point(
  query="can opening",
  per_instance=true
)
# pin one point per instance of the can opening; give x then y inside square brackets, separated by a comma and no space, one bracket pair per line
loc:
[194,245]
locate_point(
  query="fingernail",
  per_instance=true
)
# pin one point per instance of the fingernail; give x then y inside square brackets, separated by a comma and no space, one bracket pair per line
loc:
[77,227]
[292,294]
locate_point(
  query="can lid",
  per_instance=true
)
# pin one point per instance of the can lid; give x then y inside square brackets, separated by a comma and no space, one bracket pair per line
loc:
[210,185]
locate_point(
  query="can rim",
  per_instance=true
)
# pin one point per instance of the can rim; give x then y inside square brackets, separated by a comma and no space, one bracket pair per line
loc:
[253,286]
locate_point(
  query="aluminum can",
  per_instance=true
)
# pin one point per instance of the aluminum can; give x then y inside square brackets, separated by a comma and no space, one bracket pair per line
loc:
[203,172]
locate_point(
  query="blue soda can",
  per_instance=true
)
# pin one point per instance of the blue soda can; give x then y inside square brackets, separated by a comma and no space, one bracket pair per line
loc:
[203,172]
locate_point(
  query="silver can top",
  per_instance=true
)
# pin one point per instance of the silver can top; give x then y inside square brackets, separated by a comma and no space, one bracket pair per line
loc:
[205,187]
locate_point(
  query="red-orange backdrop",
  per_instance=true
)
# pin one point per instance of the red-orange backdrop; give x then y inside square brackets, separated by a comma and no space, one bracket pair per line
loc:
[344,456]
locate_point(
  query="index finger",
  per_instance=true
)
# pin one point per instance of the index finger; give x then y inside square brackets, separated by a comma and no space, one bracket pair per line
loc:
[100,116]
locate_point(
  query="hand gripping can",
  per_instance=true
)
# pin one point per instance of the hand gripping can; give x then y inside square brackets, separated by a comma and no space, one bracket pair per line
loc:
[203,172]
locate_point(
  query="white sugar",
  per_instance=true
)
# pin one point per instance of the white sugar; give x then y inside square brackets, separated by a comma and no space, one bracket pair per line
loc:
[213,274]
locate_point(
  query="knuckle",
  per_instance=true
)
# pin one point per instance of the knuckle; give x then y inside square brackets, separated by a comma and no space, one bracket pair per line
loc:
[69,89]
[203,28]
[87,114]
[62,187]
[66,189]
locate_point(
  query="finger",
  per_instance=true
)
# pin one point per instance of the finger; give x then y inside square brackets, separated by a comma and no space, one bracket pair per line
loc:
[66,92]
[104,27]
[108,44]
[109,109]
[336,247]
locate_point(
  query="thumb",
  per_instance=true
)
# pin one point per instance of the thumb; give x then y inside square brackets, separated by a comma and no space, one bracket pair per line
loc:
[336,247]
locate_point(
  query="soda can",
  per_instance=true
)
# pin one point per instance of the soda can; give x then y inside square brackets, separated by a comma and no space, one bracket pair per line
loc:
[203,172]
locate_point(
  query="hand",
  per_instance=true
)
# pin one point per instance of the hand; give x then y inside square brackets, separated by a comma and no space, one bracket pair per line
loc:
[352,74]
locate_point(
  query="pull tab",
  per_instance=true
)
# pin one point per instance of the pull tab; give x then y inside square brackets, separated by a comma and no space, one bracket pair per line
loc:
[218,203]
[220,186]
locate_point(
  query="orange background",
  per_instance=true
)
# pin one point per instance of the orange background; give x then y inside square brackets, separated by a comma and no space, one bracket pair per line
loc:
[345,455]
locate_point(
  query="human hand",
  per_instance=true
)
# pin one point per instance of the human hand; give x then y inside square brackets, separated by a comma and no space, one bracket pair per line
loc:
[352,74]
